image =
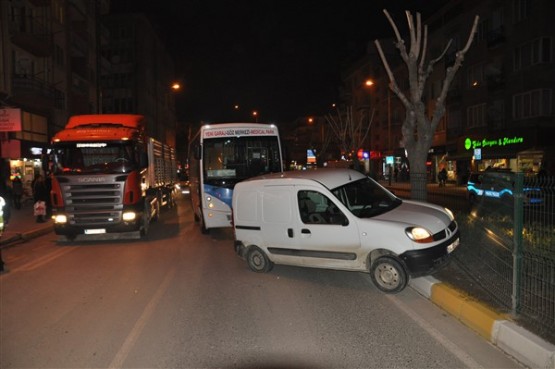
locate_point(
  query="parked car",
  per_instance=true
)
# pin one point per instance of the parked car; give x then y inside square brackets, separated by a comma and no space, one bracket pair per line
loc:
[498,185]
[340,219]
[183,185]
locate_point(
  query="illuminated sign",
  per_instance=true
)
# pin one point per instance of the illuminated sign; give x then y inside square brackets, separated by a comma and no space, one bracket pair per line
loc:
[310,156]
[237,132]
[484,143]
[10,120]
[92,144]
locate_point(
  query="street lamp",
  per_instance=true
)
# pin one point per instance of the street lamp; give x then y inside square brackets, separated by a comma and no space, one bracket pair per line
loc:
[369,83]
[255,115]
[176,86]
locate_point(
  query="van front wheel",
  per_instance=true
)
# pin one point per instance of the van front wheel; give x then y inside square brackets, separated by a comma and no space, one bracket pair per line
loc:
[258,261]
[388,275]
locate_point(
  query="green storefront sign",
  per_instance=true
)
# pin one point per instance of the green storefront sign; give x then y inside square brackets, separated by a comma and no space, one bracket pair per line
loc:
[470,144]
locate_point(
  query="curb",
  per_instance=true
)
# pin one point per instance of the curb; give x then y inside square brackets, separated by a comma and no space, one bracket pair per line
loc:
[514,340]
[24,236]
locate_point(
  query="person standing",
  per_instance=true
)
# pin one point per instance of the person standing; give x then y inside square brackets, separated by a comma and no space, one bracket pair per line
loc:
[7,194]
[17,189]
[40,193]
[442,177]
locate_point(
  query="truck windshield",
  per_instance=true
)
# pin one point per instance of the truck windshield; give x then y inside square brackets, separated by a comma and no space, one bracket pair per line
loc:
[94,157]
[365,198]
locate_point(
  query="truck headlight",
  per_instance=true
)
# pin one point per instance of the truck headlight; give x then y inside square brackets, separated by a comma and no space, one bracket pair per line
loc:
[419,234]
[129,216]
[60,219]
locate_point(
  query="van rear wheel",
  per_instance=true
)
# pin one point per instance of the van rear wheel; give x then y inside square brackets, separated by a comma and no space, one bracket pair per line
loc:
[388,275]
[258,261]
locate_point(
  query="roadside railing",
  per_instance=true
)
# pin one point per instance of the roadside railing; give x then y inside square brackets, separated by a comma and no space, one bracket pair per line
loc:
[508,244]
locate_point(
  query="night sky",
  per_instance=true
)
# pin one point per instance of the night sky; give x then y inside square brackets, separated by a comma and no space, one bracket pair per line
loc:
[282,58]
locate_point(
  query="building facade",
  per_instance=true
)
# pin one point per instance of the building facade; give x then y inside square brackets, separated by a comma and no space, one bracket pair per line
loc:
[499,109]
[55,58]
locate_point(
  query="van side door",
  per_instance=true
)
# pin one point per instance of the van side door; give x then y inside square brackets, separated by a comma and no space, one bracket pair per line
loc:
[323,232]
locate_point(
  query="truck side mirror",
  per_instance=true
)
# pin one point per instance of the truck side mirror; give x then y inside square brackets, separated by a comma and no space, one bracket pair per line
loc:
[143,160]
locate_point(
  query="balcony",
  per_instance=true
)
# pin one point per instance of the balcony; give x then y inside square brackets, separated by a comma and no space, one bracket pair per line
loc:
[32,36]
[36,92]
[40,2]
[496,37]
[495,84]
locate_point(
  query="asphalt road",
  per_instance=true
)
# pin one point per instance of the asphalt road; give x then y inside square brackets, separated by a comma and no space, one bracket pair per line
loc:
[182,299]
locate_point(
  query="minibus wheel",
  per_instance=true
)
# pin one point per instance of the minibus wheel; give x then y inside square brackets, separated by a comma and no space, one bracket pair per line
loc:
[388,275]
[258,261]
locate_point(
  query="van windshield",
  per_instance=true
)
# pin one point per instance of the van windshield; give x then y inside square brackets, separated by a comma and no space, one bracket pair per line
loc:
[365,198]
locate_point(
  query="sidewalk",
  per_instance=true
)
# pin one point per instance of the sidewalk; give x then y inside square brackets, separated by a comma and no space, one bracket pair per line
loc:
[527,348]
[23,227]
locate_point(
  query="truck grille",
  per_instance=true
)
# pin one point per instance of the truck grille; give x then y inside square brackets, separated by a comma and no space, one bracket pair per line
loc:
[93,204]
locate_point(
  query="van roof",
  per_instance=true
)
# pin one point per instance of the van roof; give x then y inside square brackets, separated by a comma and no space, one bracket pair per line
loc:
[329,177]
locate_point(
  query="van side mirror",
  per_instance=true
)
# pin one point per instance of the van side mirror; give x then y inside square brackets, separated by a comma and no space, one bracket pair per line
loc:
[345,221]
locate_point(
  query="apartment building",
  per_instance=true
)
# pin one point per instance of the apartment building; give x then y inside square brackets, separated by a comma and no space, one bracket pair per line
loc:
[141,75]
[65,57]
[500,105]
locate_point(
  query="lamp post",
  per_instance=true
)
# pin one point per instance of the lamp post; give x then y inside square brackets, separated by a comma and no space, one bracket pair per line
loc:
[255,115]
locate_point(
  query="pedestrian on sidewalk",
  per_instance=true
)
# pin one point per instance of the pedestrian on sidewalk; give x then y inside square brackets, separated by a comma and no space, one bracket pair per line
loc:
[7,194]
[17,189]
[40,194]
[442,177]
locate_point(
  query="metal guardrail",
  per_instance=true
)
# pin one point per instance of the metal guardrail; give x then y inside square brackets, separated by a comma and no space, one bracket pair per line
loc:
[509,245]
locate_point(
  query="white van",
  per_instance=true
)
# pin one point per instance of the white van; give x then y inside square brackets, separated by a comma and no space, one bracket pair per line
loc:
[339,219]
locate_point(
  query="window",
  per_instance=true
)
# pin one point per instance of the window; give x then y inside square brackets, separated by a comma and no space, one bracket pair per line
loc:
[521,9]
[316,208]
[476,116]
[532,104]
[531,53]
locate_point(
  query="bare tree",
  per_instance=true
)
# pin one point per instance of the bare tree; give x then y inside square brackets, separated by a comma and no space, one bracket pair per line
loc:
[418,128]
[350,132]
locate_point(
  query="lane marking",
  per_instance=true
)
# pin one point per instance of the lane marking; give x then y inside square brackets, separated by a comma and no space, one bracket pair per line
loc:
[135,333]
[463,356]
[43,260]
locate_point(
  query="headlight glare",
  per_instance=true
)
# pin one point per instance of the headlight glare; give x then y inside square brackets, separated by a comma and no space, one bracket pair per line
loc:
[419,234]
[60,219]
[129,216]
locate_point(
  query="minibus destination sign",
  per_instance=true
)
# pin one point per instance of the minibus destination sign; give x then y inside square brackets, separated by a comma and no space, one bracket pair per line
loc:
[235,132]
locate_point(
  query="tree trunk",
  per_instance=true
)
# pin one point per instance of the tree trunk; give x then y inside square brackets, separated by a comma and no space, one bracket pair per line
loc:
[418,174]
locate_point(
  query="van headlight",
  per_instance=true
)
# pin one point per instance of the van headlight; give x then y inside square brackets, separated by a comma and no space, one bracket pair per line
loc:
[419,234]
[129,216]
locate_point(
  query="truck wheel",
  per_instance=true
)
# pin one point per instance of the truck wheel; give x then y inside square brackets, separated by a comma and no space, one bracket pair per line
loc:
[258,261]
[157,215]
[388,275]
[145,221]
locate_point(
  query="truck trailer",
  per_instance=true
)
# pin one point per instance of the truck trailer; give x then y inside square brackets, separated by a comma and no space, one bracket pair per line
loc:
[108,177]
